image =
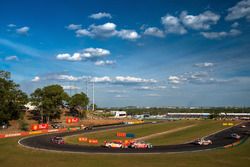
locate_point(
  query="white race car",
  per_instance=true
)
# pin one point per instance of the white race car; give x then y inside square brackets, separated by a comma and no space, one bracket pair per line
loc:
[141,144]
[113,144]
[235,136]
[203,142]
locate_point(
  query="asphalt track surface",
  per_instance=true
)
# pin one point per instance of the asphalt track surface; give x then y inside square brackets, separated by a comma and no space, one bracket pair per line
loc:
[220,139]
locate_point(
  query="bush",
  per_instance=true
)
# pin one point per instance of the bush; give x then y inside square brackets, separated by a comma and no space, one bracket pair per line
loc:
[23,125]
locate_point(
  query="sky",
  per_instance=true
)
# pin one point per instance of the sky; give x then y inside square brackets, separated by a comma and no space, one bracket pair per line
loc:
[137,53]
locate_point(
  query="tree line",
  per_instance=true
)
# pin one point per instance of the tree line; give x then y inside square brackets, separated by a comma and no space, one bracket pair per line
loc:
[49,101]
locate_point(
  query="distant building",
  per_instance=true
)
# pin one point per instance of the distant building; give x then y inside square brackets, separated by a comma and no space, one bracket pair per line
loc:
[30,107]
[119,114]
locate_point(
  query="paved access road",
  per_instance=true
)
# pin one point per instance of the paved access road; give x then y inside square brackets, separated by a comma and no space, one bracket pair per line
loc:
[219,140]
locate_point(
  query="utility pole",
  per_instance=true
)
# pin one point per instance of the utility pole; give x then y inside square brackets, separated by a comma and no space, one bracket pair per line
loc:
[87,92]
[93,96]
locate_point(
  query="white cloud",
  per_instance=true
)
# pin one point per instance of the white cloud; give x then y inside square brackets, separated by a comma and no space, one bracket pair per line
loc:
[107,30]
[67,78]
[23,30]
[104,62]
[150,88]
[100,15]
[96,52]
[104,30]
[83,32]
[153,95]
[61,77]
[198,75]
[133,80]
[205,64]
[122,80]
[172,24]
[74,26]
[240,10]
[11,58]
[201,21]
[104,79]
[176,79]
[220,35]
[86,54]
[235,25]
[11,25]
[128,34]
[36,79]
[117,91]
[70,87]
[68,57]
[121,96]
[154,31]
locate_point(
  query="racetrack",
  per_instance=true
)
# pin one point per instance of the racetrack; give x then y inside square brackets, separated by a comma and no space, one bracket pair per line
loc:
[219,139]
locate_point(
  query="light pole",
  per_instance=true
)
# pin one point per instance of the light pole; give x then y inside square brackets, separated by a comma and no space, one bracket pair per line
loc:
[93,96]
[87,91]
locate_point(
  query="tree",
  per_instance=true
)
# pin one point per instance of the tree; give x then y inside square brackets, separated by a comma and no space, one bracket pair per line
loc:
[78,103]
[49,101]
[12,99]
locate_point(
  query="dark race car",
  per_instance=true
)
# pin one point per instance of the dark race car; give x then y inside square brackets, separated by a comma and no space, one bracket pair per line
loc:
[57,140]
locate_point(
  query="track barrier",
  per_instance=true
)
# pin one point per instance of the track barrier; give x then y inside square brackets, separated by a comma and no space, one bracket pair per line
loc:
[83,139]
[93,141]
[72,120]
[123,134]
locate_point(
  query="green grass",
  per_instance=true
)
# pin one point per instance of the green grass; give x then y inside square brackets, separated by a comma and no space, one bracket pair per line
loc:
[139,131]
[13,155]
[201,128]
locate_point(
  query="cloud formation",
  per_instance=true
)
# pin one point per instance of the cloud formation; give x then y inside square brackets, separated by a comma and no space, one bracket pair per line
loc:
[150,88]
[74,26]
[240,10]
[100,15]
[107,30]
[70,87]
[154,31]
[205,64]
[202,21]
[86,54]
[36,79]
[23,30]
[220,35]
[173,24]
[104,62]
[11,58]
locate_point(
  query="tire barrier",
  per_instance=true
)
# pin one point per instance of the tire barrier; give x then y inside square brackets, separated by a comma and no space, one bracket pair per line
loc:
[123,134]
[93,141]
[83,139]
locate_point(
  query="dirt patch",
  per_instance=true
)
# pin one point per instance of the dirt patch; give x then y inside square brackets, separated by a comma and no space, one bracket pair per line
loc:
[163,133]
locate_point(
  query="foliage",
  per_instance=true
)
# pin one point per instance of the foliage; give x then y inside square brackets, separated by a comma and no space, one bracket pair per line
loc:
[12,99]
[49,101]
[156,111]
[78,103]
[24,126]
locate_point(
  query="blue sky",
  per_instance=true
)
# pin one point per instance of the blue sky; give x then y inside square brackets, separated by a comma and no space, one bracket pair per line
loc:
[155,53]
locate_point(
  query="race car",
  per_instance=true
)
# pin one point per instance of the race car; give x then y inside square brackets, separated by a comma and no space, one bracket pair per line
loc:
[235,136]
[243,126]
[140,144]
[57,140]
[86,127]
[114,144]
[203,142]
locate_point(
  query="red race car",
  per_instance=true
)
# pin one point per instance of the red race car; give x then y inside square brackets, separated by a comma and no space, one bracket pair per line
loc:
[57,140]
